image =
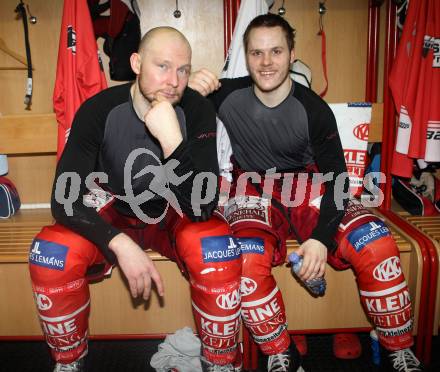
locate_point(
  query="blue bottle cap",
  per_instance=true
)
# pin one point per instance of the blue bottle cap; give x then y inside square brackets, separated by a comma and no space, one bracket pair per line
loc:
[294,258]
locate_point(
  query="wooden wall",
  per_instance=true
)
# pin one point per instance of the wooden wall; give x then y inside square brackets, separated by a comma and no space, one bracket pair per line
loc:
[202,21]
[345,25]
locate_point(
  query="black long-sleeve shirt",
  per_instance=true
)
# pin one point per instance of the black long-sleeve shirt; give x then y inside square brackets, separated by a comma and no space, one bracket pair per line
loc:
[298,132]
[105,131]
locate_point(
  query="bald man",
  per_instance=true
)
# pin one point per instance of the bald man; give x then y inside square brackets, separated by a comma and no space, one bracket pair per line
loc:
[125,183]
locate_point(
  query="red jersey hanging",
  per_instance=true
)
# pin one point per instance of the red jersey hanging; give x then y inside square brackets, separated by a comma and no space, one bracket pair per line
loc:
[79,70]
[415,85]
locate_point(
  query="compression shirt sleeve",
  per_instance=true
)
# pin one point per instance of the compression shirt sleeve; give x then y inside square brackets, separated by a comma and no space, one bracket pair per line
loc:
[78,160]
[196,155]
[329,158]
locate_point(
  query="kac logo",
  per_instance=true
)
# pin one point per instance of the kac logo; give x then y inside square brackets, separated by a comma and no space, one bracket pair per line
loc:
[229,301]
[43,302]
[388,269]
[248,286]
[361,131]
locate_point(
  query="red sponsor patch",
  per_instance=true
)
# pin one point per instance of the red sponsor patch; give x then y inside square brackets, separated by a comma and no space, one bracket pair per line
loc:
[360,131]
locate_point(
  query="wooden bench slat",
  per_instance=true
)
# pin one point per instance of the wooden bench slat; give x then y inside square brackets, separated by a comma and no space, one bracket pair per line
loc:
[429,225]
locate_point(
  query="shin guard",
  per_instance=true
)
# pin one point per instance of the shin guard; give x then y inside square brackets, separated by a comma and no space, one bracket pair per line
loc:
[65,334]
[374,256]
[58,261]
[213,261]
[262,306]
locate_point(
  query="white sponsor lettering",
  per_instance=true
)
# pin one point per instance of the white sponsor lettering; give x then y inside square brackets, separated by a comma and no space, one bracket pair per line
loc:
[388,304]
[392,320]
[375,232]
[60,328]
[388,269]
[267,326]
[217,255]
[248,286]
[229,300]
[49,261]
[232,244]
[43,302]
[251,247]
[217,342]
[398,331]
[35,249]
[355,157]
[220,329]
[261,313]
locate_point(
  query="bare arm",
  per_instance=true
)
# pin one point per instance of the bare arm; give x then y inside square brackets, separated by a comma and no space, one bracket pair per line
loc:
[137,266]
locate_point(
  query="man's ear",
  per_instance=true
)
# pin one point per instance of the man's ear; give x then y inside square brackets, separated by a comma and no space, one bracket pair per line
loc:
[135,63]
[292,56]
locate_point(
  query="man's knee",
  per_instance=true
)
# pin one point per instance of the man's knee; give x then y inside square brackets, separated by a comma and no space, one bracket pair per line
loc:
[370,247]
[257,249]
[209,251]
[58,256]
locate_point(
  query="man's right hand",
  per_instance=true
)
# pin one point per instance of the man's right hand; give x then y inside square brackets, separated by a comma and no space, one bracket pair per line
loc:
[204,81]
[161,120]
[137,267]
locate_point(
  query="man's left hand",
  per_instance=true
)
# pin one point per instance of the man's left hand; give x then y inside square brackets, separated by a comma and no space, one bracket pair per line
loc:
[314,259]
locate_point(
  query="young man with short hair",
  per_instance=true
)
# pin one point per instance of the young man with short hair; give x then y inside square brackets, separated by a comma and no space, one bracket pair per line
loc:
[283,134]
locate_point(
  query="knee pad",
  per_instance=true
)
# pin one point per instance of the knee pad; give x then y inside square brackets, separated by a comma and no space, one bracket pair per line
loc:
[257,249]
[59,255]
[372,252]
[209,252]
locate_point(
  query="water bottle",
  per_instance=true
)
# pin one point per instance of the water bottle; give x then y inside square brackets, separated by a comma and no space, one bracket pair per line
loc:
[315,286]
[375,347]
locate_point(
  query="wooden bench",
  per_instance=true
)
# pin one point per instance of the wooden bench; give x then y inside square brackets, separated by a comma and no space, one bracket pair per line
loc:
[30,142]
[115,313]
[430,226]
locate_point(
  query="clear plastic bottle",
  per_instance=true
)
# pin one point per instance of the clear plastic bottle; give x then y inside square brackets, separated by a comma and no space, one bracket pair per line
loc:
[315,286]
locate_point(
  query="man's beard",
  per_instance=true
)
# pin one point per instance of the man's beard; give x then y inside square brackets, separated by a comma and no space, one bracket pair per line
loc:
[150,96]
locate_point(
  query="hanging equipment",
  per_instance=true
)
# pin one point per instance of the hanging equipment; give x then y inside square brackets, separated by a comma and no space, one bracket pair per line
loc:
[177,13]
[21,13]
[322,10]
[282,10]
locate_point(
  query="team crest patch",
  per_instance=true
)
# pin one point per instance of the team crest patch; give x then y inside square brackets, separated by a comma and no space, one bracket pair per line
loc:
[251,245]
[220,249]
[48,254]
[97,199]
[247,208]
[367,233]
